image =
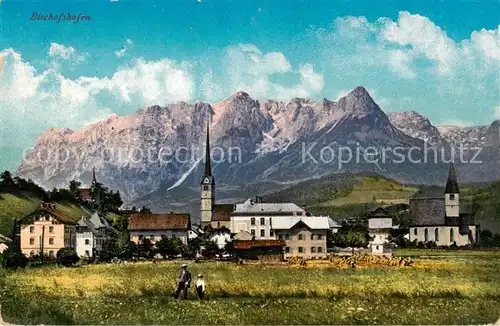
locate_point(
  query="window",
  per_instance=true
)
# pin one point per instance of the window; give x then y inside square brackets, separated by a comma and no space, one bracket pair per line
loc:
[301,237]
[262,221]
[280,237]
[51,229]
[415,232]
[320,249]
[312,236]
[287,250]
[301,250]
[452,197]
[206,188]
[313,249]
[320,237]
[252,231]
[426,235]
[252,221]
[377,247]
[87,253]
[271,233]
[32,229]
[51,254]
[87,242]
[436,235]
[452,236]
[287,237]
[218,225]
[32,241]
[262,233]
[51,241]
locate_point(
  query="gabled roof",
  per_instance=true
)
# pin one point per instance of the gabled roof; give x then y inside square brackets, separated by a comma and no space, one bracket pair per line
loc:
[52,211]
[149,221]
[85,193]
[223,212]
[333,224]
[451,183]
[312,222]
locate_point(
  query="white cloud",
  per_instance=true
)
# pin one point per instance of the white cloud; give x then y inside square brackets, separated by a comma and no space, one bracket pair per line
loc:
[68,53]
[128,43]
[247,68]
[32,101]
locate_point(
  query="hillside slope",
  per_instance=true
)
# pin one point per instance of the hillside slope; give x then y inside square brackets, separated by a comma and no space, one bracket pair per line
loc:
[14,206]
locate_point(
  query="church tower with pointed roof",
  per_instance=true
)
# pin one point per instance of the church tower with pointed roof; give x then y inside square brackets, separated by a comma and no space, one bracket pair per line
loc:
[207,186]
[452,201]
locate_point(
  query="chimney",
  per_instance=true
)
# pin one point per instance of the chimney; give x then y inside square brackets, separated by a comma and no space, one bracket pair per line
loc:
[304,210]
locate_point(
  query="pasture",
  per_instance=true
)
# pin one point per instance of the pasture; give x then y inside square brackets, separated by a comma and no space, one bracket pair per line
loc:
[440,288]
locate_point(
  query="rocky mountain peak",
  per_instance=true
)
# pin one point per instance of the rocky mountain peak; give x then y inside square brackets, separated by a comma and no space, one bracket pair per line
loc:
[416,125]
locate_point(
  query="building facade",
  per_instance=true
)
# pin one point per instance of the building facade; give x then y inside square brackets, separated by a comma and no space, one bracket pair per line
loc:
[256,217]
[46,230]
[379,226]
[442,219]
[305,236]
[91,235]
[154,227]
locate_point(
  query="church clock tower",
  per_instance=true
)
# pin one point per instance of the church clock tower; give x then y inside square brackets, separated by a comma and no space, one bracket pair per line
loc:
[452,200]
[207,187]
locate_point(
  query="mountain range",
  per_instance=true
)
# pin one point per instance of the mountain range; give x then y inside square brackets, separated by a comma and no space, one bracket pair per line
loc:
[155,156]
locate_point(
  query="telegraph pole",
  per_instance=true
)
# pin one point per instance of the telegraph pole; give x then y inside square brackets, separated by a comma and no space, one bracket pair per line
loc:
[42,243]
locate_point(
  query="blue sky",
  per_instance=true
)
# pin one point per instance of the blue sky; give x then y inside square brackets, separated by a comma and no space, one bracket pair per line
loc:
[440,58]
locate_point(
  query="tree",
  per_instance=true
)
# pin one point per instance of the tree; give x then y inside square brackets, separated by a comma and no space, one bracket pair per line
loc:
[210,249]
[67,257]
[74,186]
[13,259]
[170,247]
[146,249]
[144,209]
[7,182]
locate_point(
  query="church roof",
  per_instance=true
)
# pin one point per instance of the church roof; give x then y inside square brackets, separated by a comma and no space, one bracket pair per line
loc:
[451,183]
[222,212]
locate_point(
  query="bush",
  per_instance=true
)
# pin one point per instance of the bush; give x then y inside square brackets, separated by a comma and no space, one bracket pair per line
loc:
[67,257]
[13,259]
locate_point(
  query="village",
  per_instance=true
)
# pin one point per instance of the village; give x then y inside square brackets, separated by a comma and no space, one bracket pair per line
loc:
[252,230]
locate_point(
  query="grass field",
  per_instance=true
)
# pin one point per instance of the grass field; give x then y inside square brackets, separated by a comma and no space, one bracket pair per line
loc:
[384,191]
[441,288]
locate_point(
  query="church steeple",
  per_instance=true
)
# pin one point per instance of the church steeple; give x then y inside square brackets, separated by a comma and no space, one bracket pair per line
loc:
[208,167]
[451,183]
[451,194]
[94,180]
[207,186]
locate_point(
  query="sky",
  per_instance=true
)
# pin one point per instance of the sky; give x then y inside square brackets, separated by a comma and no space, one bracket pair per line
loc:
[439,58]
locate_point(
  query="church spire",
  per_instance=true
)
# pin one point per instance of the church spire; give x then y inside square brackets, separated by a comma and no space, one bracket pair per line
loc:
[94,180]
[208,167]
[452,184]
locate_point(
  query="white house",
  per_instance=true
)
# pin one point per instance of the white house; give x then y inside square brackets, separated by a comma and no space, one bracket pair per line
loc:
[91,235]
[254,216]
[221,238]
[379,226]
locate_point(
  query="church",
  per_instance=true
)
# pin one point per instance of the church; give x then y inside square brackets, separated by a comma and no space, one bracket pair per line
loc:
[441,218]
[214,215]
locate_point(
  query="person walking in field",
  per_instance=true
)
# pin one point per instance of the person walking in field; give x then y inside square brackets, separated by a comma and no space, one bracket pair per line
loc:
[183,282]
[200,287]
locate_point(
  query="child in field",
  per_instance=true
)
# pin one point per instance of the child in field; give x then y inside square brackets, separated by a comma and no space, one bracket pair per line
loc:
[200,286]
